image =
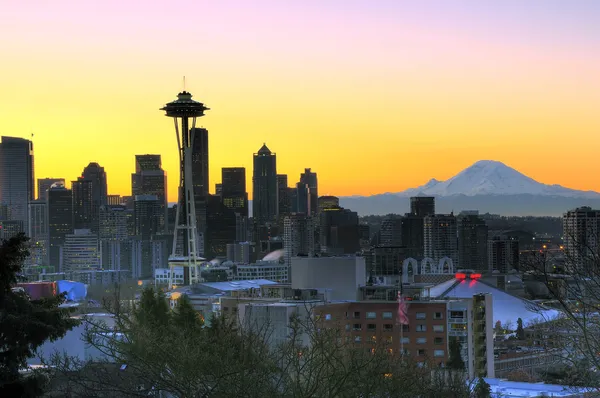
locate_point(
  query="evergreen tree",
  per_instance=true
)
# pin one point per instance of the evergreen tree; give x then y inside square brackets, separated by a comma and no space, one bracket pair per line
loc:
[455,361]
[520,332]
[482,389]
[24,324]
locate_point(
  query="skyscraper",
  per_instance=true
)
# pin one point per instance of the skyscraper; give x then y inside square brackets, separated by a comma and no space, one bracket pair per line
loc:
[472,241]
[503,254]
[81,251]
[60,222]
[284,205]
[150,179]
[221,225]
[38,232]
[303,199]
[44,184]
[422,206]
[391,231]
[310,180]
[94,173]
[17,178]
[264,181]
[298,237]
[83,215]
[440,237]
[200,161]
[233,191]
[339,231]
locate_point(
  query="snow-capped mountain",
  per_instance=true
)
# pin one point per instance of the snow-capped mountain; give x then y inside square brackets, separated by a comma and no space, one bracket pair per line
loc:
[488,186]
[490,177]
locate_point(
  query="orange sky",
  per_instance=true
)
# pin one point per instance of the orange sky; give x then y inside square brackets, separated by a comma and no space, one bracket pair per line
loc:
[373,98]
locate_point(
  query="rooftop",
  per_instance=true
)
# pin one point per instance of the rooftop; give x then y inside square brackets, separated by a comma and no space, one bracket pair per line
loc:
[238,285]
[504,388]
[506,307]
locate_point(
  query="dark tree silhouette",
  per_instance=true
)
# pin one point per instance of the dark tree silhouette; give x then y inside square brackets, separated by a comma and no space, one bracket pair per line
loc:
[455,362]
[24,324]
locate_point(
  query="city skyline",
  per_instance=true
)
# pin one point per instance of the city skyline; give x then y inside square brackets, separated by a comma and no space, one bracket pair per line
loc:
[429,84]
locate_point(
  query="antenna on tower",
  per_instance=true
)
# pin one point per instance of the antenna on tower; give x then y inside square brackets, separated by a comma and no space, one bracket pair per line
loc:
[184,83]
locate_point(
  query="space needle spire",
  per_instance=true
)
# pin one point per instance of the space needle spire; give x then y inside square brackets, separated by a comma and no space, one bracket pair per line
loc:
[184,111]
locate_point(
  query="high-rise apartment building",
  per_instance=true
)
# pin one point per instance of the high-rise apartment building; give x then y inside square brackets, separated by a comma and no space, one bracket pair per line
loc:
[115,245]
[233,191]
[264,181]
[60,222]
[146,216]
[298,236]
[221,227]
[503,254]
[440,239]
[472,232]
[17,178]
[422,206]
[581,228]
[150,179]
[413,235]
[44,184]
[309,179]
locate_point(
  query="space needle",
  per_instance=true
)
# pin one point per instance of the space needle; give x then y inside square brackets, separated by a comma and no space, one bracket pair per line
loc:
[183,111]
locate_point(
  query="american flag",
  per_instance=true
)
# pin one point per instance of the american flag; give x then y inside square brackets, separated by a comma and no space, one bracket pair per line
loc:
[402,318]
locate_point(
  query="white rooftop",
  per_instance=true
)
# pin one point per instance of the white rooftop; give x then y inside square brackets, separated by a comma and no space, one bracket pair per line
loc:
[506,307]
[238,285]
[515,389]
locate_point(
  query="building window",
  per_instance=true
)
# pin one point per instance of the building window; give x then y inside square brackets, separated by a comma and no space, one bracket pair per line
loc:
[405,328]
[357,326]
[438,315]
[421,340]
[357,339]
[387,315]
[457,314]
[438,340]
[421,328]
[405,340]
[356,315]
[371,315]
[438,328]
[347,327]
[438,353]
[458,327]
[327,317]
[388,339]
[421,315]
[421,352]
[371,327]
[388,327]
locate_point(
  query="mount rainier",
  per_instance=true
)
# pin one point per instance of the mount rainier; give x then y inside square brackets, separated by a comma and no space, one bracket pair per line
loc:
[488,186]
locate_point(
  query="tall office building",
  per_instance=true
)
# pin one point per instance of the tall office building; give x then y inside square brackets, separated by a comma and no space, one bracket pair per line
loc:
[114,200]
[303,199]
[44,184]
[309,179]
[96,176]
[150,179]
[284,204]
[413,235]
[440,237]
[264,181]
[581,228]
[200,181]
[83,204]
[60,222]
[472,234]
[391,231]
[221,227]
[17,178]
[328,202]
[298,237]
[115,246]
[81,251]
[339,231]
[233,191]
[422,206]
[38,233]
[146,216]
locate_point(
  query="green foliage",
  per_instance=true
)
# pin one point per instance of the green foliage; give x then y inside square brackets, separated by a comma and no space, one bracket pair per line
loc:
[455,361]
[24,324]
[482,389]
